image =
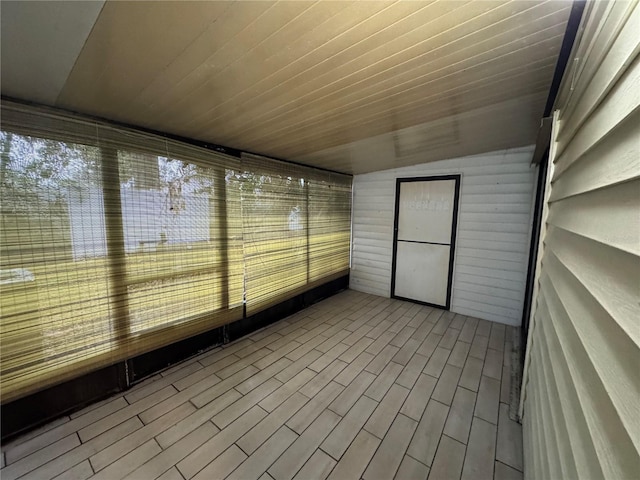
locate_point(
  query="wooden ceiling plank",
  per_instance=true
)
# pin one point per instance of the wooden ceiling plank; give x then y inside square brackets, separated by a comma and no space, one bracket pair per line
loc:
[368,75]
[417,113]
[441,86]
[443,67]
[301,55]
[365,45]
[394,87]
[351,127]
[201,83]
[312,80]
[255,63]
[376,126]
[416,116]
[366,34]
[193,62]
[412,115]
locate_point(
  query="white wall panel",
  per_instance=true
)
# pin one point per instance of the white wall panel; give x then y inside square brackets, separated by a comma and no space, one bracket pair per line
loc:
[492,243]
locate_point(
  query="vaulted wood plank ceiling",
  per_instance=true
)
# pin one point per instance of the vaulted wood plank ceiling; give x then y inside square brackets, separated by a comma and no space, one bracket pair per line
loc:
[352,86]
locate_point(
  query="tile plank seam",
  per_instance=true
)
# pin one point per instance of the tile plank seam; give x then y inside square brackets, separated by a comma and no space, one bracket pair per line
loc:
[265,348]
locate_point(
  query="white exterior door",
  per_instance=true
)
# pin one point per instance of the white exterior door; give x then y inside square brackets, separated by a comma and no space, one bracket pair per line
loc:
[426,215]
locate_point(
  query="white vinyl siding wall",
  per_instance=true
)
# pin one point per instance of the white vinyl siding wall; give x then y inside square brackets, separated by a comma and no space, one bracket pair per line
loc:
[492,245]
[581,389]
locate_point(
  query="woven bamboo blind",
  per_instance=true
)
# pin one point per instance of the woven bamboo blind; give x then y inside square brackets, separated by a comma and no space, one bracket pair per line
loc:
[115,242]
[296,227]
[329,225]
[112,243]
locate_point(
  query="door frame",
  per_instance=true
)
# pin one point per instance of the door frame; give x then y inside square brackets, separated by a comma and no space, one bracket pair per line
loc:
[454,229]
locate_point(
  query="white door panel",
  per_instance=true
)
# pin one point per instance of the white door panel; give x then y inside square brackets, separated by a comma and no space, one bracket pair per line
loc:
[422,270]
[426,211]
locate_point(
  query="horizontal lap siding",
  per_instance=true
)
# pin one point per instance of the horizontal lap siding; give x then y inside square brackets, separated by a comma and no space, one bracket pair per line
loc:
[581,410]
[494,223]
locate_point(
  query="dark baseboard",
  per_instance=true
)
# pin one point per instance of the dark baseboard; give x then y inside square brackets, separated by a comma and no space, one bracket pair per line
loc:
[145,365]
[266,317]
[32,411]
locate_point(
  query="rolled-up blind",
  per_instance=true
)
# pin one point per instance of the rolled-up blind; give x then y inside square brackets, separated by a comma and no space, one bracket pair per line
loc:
[296,229]
[112,243]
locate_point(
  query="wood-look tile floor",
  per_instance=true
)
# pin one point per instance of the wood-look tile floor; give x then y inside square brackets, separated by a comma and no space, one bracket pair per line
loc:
[356,386]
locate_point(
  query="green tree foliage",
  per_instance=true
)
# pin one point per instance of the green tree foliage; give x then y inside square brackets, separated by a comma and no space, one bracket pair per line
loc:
[36,173]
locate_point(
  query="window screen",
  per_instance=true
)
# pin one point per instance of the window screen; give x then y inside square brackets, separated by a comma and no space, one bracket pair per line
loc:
[275,225]
[114,242]
[54,277]
[329,225]
[296,224]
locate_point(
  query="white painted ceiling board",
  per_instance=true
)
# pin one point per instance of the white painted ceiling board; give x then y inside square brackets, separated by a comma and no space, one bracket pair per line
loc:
[394,78]
[40,44]
[295,80]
